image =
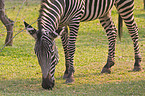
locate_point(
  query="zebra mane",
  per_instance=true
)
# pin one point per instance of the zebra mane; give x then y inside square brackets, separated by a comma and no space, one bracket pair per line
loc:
[39,34]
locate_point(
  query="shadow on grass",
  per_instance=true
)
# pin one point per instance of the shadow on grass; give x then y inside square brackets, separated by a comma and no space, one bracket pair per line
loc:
[33,87]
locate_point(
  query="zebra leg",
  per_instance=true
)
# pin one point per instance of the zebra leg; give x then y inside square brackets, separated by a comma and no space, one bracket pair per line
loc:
[74,26]
[64,39]
[128,18]
[111,31]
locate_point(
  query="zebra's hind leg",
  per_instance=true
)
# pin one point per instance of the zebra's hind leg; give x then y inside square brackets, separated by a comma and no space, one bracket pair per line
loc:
[126,12]
[111,31]
[64,39]
[133,30]
[107,67]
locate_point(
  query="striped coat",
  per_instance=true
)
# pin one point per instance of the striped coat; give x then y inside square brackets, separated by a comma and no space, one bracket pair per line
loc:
[55,18]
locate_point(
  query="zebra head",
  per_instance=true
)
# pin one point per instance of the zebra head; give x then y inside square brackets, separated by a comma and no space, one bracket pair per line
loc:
[47,55]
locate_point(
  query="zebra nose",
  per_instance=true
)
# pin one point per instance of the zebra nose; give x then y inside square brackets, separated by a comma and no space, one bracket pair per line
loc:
[47,83]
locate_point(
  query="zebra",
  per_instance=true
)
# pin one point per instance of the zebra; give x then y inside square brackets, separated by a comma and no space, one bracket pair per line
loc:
[56,16]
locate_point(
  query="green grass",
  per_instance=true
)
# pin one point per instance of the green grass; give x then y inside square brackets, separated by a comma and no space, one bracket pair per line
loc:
[20,73]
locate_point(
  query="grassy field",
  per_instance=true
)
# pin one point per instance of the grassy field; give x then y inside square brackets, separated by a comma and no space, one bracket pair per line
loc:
[20,72]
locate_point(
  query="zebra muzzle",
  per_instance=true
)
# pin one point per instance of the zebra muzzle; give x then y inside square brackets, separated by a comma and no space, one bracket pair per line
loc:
[47,83]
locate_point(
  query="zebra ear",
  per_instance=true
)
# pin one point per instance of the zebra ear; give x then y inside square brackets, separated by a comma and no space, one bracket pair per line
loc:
[31,30]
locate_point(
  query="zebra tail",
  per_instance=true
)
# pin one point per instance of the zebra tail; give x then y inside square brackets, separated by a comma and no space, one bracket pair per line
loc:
[120,24]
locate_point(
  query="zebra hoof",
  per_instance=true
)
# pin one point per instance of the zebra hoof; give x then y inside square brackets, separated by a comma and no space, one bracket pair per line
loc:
[137,68]
[69,80]
[106,70]
[65,76]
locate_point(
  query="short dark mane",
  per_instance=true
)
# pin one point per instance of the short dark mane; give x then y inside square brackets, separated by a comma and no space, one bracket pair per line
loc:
[40,20]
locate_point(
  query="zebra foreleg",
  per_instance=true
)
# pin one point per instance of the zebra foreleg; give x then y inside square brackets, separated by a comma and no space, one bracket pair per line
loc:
[74,26]
[64,39]
[111,31]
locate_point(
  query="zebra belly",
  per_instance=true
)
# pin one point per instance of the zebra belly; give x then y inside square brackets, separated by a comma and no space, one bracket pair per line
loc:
[96,8]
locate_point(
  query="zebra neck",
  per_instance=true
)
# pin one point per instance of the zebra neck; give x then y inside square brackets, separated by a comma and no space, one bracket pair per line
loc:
[50,34]
[50,14]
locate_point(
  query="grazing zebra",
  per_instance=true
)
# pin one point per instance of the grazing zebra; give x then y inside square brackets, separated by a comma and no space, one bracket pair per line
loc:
[56,15]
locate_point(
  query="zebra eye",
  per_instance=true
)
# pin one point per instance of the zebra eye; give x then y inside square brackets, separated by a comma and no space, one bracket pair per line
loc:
[50,48]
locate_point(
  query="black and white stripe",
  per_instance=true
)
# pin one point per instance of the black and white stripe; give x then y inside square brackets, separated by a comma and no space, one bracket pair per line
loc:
[56,15]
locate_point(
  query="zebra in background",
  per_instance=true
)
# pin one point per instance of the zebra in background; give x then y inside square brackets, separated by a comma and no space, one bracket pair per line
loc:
[56,15]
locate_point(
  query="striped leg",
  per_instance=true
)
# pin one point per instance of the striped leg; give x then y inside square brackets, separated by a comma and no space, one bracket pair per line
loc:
[74,26]
[132,27]
[111,31]
[64,39]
